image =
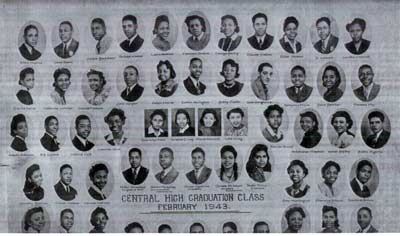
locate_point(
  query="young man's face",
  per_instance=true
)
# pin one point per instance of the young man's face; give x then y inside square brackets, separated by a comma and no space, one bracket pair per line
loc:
[83,129]
[65,32]
[195,27]
[98,31]
[298,78]
[375,124]
[52,127]
[363,218]
[260,26]
[366,76]
[66,176]
[196,68]
[135,159]
[364,174]
[67,220]
[130,76]
[31,37]
[198,160]
[323,30]
[166,158]
[129,28]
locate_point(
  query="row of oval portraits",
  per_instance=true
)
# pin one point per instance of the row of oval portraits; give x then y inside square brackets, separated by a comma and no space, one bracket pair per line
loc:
[274,123]
[130,84]
[196,31]
[260,167]
[295,219]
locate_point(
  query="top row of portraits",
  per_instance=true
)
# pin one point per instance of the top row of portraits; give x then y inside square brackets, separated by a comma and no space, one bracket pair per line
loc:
[196,33]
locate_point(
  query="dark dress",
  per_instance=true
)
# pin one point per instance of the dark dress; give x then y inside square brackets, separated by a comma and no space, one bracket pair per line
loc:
[311,139]
[188,132]
[332,95]
[19,145]
[25,97]
[35,194]
[232,91]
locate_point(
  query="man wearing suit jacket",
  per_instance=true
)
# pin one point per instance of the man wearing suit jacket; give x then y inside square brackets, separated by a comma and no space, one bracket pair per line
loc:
[27,49]
[300,91]
[168,174]
[328,41]
[364,218]
[260,40]
[83,128]
[137,174]
[133,41]
[200,173]
[49,139]
[363,175]
[379,136]
[133,90]
[192,83]
[99,33]
[68,46]
[369,90]
[63,187]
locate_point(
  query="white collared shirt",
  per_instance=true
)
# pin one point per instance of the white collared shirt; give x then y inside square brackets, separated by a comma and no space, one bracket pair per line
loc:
[325,42]
[378,134]
[367,90]
[278,133]
[181,131]
[360,184]
[30,48]
[198,171]
[166,171]
[195,81]
[292,45]
[133,38]
[67,44]
[364,230]
[137,170]
[152,131]
[262,38]
[110,137]
[129,89]
[82,140]
[96,189]
[199,37]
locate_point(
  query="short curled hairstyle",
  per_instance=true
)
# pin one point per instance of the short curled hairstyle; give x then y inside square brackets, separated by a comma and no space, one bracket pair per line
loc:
[231,63]
[25,72]
[58,72]
[337,74]
[228,148]
[271,108]
[182,111]
[334,210]
[293,210]
[14,123]
[377,114]
[98,73]
[312,116]
[158,112]
[98,210]
[95,168]
[235,21]
[169,67]
[193,17]
[363,163]
[324,19]
[28,215]
[209,111]
[133,225]
[262,65]
[235,110]
[159,19]
[298,163]
[359,21]
[115,112]
[288,20]
[329,164]
[231,225]
[344,114]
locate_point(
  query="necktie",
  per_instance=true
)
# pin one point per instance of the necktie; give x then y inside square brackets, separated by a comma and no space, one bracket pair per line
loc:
[365,94]
[260,43]
[67,189]
[365,189]
[323,49]
[65,50]
[98,47]
[227,43]
[134,174]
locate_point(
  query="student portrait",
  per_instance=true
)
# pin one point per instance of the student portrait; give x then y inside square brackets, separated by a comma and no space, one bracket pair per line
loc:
[67,220]
[133,90]
[32,41]
[33,183]
[196,227]
[289,41]
[166,75]
[164,229]
[99,33]
[62,81]
[324,35]
[369,89]
[26,82]
[299,91]
[364,177]
[192,83]
[229,170]
[183,122]
[364,220]
[260,40]
[156,123]
[329,187]
[331,82]
[308,129]
[134,227]
[100,181]
[230,72]
[200,172]
[273,128]
[297,172]
[115,121]
[98,219]
[83,129]
[19,132]
[133,41]
[236,122]
[375,129]
[63,187]
[168,174]
[261,227]
[49,139]
[136,174]
[196,31]
[231,33]
[209,122]
[36,220]
[229,227]
[295,220]
[358,45]
[67,45]
[342,131]
[164,32]
[330,220]
[95,88]
[264,85]
[259,166]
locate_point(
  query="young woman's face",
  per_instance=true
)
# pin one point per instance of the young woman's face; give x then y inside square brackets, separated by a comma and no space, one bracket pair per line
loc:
[100,179]
[157,122]
[329,218]
[296,174]
[37,221]
[164,73]
[115,124]
[329,79]
[29,81]
[274,119]
[95,82]
[63,82]
[261,159]
[209,120]
[181,120]
[100,221]
[340,125]
[228,27]
[330,175]
[235,119]
[291,31]
[266,74]
[356,32]
[295,221]
[22,129]
[36,178]
[307,124]
[163,30]
[228,159]
[52,127]
[229,72]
